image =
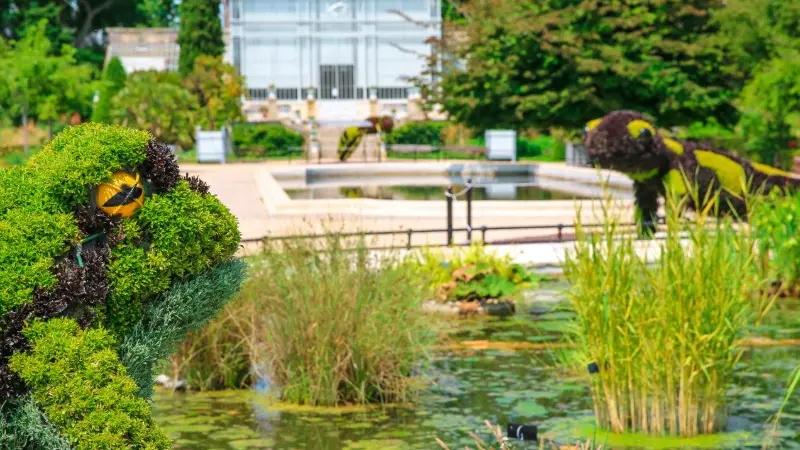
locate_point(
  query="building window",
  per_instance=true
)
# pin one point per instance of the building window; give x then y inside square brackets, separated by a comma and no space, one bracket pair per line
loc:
[257,93]
[235,9]
[237,54]
[286,93]
[388,93]
[414,5]
[270,6]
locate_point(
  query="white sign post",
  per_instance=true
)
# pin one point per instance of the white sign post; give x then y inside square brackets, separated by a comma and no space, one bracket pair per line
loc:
[501,145]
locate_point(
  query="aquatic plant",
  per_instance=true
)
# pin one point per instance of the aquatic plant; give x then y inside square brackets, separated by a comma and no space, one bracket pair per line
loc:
[341,326]
[474,273]
[504,443]
[217,356]
[661,339]
[794,383]
[333,327]
[776,224]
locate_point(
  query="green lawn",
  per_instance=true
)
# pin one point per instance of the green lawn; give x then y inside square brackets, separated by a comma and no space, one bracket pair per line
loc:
[18,157]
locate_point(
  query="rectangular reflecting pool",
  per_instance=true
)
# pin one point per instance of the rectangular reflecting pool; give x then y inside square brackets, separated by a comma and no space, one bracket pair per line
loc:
[491,191]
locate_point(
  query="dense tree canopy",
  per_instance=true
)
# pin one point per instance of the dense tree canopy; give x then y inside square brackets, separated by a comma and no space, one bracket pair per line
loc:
[157,102]
[755,31]
[771,108]
[561,63]
[219,90]
[35,83]
[200,32]
[80,23]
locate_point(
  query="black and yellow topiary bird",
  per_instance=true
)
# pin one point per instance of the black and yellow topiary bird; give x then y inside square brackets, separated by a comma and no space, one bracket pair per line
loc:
[109,258]
[351,137]
[627,142]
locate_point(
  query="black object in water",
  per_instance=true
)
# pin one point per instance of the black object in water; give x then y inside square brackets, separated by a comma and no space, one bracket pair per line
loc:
[523,432]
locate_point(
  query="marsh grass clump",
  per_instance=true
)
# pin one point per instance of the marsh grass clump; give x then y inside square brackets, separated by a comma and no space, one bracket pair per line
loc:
[336,326]
[662,335]
[776,225]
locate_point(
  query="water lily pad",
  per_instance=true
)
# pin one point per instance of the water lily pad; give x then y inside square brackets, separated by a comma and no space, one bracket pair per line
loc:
[529,408]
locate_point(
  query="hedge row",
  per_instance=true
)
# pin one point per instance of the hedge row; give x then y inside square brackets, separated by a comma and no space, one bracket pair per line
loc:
[264,140]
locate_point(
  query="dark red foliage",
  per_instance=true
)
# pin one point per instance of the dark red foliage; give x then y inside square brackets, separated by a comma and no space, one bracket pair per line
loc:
[386,122]
[160,169]
[197,185]
[78,291]
[92,220]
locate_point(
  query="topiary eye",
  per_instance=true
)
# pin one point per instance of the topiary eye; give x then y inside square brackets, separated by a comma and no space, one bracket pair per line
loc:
[121,196]
[641,128]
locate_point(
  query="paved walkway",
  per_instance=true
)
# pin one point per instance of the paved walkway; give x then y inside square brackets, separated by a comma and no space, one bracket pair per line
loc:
[235,185]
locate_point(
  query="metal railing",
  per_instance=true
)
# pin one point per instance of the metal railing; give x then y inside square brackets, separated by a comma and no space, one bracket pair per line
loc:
[471,151]
[409,233]
[450,230]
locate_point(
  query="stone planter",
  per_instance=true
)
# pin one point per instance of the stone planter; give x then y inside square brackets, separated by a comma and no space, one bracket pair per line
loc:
[576,154]
[212,146]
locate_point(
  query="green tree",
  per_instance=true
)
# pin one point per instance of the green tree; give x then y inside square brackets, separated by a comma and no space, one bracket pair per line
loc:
[200,32]
[530,64]
[113,81]
[156,101]
[158,13]
[756,31]
[80,19]
[38,84]
[79,23]
[219,90]
[770,106]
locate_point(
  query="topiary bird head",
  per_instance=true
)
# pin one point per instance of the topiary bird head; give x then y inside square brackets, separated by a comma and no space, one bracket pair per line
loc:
[96,232]
[626,141]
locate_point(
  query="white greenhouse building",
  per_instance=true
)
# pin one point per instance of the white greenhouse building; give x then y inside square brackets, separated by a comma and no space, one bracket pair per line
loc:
[341,52]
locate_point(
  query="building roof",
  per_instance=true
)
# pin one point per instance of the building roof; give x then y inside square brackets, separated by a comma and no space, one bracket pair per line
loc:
[140,44]
[149,48]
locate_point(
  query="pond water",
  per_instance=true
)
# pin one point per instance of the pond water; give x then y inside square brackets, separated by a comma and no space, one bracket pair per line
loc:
[466,387]
[497,191]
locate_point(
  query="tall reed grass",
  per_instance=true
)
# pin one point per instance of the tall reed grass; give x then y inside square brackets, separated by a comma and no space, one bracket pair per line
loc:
[339,326]
[662,335]
[327,323]
[218,355]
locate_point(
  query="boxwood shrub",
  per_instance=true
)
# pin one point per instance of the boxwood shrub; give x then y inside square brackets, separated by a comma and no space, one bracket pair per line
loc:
[263,140]
[419,133]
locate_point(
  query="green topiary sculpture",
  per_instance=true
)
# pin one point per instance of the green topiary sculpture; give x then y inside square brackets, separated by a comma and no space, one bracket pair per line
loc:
[628,142]
[352,136]
[108,257]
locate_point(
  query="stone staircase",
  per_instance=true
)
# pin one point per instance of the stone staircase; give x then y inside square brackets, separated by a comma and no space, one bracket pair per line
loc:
[329,135]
